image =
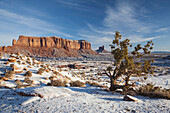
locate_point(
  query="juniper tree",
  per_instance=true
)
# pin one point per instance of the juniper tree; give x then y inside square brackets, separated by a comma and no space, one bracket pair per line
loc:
[127,64]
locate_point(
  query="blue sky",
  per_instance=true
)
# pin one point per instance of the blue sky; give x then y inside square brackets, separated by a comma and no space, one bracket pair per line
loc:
[92,20]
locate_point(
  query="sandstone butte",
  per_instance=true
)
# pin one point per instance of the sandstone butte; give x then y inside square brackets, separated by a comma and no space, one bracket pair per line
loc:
[49,47]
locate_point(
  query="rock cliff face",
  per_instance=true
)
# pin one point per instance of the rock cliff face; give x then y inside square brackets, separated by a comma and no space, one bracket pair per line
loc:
[50,47]
[49,42]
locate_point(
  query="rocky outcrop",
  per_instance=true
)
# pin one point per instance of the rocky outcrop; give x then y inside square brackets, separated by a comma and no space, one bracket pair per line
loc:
[49,42]
[49,47]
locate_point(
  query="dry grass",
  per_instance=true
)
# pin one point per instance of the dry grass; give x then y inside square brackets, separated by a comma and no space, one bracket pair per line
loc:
[154,92]
[28,74]
[77,83]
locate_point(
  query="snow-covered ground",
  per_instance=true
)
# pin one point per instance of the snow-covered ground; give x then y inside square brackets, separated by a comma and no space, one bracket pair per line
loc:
[42,98]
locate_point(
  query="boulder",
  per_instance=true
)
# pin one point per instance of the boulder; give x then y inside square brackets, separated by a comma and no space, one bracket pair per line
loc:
[130,98]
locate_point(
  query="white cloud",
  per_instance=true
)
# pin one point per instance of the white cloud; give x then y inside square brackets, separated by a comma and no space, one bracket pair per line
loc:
[163,29]
[124,16]
[31,22]
[139,38]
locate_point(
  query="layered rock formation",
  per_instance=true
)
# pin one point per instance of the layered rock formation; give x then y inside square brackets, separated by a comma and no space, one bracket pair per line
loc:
[49,46]
[48,42]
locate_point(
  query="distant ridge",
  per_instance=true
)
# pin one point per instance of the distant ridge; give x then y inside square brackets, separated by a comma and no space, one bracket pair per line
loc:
[161,52]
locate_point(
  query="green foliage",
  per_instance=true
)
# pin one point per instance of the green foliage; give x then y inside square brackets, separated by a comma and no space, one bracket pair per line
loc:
[127,63]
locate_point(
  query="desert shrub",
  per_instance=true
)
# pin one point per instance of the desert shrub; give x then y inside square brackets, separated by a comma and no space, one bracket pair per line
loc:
[12,59]
[40,71]
[58,82]
[18,82]
[43,66]
[77,83]
[47,70]
[9,74]
[19,62]
[18,54]
[11,65]
[28,62]
[23,63]
[48,66]
[154,92]
[7,62]
[28,81]
[25,69]
[52,78]
[11,55]
[88,82]
[28,74]
[94,84]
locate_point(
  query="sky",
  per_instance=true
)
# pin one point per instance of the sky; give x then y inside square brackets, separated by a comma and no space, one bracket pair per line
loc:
[93,20]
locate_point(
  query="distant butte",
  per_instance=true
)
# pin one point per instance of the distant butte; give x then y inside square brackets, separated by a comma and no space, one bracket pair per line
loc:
[49,47]
[101,50]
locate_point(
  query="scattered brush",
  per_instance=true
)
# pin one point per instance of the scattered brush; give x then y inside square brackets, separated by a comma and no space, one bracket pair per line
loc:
[94,84]
[88,82]
[11,65]
[7,62]
[23,63]
[19,62]
[12,56]
[9,74]
[58,82]
[18,82]
[154,92]
[28,81]
[12,59]
[77,83]
[40,71]
[25,69]
[52,78]
[28,74]
[47,70]
[43,66]
[2,84]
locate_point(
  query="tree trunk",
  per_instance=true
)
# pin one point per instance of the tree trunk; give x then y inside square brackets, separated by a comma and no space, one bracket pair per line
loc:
[113,84]
[127,81]
[126,85]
